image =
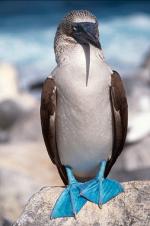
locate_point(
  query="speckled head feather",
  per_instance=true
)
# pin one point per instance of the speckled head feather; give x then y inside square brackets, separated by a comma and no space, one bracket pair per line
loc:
[63,37]
[80,15]
[77,16]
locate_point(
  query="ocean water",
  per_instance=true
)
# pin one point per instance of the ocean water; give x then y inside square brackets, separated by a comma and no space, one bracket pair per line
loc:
[26,36]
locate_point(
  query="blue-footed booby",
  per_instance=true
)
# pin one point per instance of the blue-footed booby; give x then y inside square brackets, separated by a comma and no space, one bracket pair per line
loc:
[83,115]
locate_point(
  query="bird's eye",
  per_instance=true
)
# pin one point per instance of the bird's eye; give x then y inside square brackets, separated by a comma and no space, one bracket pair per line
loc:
[75,28]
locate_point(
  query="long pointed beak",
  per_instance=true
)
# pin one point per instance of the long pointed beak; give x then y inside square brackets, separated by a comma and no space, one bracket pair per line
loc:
[86,49]
[87,34]
[92,39]
[87,56]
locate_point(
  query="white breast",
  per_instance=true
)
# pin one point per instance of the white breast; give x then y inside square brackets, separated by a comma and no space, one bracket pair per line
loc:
[83,115]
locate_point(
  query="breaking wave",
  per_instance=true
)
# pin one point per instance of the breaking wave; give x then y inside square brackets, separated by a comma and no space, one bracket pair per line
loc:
[125,41]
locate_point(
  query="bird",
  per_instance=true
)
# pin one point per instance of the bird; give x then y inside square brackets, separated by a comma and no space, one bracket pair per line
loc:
[84,115]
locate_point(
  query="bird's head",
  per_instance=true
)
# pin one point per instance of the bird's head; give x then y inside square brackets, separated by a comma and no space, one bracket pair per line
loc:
[78,27]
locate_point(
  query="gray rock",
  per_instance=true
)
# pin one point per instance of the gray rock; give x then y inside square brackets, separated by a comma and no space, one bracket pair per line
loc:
[30,127]
[5,222]
[4,136]
[15,189]
[129,208]
[9,113]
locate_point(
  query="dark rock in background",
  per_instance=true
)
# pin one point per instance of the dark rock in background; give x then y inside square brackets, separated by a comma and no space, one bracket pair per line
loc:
[10,112]
[5,222]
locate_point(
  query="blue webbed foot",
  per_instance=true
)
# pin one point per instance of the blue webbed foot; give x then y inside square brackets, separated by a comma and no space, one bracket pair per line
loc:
[69,202]
[100,190]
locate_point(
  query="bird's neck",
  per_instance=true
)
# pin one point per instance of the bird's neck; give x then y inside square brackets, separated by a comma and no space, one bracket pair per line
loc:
[67,49]
[75,53]
[62,46]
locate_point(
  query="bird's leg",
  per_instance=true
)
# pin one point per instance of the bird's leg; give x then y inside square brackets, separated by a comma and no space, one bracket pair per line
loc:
[100,190]
[69,202]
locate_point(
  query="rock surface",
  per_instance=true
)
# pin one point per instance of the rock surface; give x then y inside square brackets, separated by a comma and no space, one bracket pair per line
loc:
[129,208]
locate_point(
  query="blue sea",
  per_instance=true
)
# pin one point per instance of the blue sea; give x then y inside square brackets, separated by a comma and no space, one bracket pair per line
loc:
[27,30]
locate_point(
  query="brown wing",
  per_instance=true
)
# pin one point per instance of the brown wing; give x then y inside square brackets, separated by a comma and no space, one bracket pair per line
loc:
[119,117]
[47,111]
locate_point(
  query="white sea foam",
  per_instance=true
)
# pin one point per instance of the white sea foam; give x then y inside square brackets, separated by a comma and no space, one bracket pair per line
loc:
[125,41]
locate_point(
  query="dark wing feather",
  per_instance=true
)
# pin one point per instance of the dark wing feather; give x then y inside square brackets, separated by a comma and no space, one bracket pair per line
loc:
[119,117]
[47,112]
